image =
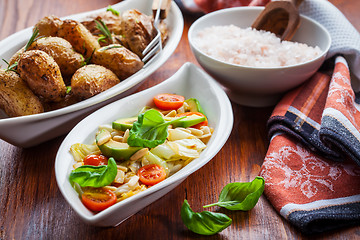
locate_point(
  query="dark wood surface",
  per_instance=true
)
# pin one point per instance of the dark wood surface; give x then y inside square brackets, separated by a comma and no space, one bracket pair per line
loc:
[32,207]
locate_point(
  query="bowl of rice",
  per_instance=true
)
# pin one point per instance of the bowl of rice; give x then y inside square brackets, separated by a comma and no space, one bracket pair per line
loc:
[255,67]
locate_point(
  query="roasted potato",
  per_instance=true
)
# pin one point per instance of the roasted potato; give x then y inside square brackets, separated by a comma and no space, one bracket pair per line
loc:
[16,56]
[16,98]
[118,59]
[138,30]
[49,26]
[68,100]
[79,37]
[164,31]
[42,74]
[112,21]
[62,52]
[120,39]
[91,80]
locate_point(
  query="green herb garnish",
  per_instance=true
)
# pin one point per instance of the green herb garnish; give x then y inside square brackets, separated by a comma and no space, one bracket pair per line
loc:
[111,9]
[234,196]
[12,67]
[32,38]
[204,223]
[87,60]
[240,196]
[150,130]
[102,38]
[68,89]
[94,176]
[105,31]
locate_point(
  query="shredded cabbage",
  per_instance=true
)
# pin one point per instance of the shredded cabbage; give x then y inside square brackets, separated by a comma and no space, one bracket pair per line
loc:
[80,150]
[187,147]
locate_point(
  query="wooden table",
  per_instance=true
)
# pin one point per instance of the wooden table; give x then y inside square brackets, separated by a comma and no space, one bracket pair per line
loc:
[32,207]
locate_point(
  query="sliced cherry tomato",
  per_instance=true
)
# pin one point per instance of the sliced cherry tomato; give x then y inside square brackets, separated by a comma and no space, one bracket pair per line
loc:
[95,160]
[166,101]
[98,199]
[151,174]
[199,125]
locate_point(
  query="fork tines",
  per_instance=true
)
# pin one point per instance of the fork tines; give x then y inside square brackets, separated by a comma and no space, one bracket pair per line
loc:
[155,46]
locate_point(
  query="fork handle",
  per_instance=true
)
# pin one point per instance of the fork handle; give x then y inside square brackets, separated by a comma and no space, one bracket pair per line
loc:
[164,7]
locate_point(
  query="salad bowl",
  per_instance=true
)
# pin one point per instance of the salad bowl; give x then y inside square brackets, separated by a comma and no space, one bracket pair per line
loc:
[189,81]
[27,131]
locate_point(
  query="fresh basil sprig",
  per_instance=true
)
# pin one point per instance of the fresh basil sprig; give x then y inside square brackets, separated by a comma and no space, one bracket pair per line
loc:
[149,130]
[205,223]
[94,176]
[240,196]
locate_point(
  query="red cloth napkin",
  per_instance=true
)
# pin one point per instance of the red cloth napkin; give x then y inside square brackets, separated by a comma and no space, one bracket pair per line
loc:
[312,124]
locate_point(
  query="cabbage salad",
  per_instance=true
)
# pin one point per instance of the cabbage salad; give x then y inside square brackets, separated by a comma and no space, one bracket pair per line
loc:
[132,154]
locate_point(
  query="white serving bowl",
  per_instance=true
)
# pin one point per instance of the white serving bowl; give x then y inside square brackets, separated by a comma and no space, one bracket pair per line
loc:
[253,86]
[27,131]
[189,81]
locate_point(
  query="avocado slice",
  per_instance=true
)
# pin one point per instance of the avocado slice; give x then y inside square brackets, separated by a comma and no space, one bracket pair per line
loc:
[189,121]
[123,124]
[194,105]
[127,123]
[119,151]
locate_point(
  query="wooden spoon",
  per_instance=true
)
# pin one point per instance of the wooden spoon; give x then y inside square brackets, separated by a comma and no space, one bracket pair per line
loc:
[279,17]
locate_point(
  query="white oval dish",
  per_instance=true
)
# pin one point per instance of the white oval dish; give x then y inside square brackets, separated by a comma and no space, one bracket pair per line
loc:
[27,131]
[189,81]
[256,86]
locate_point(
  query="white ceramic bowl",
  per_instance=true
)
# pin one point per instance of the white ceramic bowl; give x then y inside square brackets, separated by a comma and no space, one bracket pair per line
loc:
[189,81]
[254,86]
[27,131]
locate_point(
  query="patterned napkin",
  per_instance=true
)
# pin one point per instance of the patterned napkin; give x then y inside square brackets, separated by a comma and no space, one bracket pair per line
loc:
[317,122]
[311,169]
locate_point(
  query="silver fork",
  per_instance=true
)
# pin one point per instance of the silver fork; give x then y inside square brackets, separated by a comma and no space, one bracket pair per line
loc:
[154,48]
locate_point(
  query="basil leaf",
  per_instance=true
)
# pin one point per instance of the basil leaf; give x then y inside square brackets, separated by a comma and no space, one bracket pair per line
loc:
[94,176]
[149,130]
[240,196]
[205,223]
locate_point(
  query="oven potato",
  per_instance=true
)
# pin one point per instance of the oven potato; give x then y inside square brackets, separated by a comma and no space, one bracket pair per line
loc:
[16,98]
[42,74]
[16,56]
[112,21]
[118,59]
[138,30]
[91,80]
[79,37]
[49,26]
[61,50]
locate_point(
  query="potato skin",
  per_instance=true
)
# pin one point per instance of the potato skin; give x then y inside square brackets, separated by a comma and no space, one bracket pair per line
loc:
[138,29]
[91,80]
[49,26]
[16,98]
[112,21]
[62,52]
[118,59]
[42,74]
[79,37]
[16,56]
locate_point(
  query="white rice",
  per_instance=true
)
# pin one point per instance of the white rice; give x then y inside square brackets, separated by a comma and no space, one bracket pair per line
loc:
[250,47]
